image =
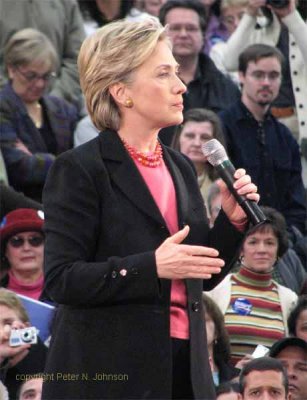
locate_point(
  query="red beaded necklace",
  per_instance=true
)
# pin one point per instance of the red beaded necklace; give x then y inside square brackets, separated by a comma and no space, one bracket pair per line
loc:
[148,160]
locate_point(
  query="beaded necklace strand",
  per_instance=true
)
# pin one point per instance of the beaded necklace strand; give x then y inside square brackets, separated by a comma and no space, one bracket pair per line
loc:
[148,160]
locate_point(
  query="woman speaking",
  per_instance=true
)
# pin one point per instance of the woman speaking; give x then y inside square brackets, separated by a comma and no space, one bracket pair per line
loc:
[128,248]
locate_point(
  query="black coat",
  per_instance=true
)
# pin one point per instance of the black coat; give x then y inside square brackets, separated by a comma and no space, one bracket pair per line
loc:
[100,221]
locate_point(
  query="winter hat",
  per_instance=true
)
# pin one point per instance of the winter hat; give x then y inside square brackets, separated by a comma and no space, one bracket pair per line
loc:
[21,220]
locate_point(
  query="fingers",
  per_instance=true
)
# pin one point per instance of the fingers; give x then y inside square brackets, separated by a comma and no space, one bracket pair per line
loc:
[179,236]
[193,250]
[244,185]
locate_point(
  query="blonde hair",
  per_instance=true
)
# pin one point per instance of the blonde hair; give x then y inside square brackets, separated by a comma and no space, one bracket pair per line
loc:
[27,46]
[11,300]
[233,3]
[110,56]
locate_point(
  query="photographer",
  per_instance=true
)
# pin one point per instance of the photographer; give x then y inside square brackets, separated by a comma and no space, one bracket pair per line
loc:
[15,362]
[285,28]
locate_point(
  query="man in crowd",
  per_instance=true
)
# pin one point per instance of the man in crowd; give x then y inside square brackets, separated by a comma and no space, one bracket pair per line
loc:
[258,142]
[292,353]
[31,389]
[263,379]
[207,87]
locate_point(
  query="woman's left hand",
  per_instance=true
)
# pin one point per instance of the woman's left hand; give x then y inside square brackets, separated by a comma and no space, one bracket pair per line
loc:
[244,187]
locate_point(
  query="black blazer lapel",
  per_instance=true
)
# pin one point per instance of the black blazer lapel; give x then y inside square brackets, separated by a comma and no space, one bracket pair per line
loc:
[180,188]
[132,185]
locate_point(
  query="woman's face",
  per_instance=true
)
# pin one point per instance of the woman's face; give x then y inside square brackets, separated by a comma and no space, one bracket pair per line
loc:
[210,329]
[231,17]
[26,257]
[30,81]
[260,251]
[301,325]
[192,137]
[156,91]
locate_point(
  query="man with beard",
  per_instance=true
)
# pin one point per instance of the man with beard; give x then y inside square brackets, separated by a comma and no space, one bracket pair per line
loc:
[292,352]
[258,142]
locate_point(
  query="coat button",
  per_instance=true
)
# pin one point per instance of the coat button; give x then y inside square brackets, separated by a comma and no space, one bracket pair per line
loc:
[114,274]
[134,271]
[195,306]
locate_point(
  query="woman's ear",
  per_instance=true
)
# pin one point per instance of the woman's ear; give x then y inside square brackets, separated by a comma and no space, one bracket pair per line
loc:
[118,92]
[10,72]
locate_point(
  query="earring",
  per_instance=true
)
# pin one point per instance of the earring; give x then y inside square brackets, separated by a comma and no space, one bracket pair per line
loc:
[129,103]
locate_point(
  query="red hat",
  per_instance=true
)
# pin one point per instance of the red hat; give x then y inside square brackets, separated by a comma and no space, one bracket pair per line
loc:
[21,220]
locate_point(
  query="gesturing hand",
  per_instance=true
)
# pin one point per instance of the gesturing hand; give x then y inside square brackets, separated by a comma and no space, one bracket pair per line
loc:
[180,261]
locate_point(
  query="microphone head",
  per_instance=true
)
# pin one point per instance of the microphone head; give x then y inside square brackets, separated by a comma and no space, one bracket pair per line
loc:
[214,152]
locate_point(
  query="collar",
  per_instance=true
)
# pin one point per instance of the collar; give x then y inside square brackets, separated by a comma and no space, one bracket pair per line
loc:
[253,279]
[242,112]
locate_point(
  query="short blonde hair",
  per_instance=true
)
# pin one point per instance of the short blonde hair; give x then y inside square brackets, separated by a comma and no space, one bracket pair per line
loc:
[110,56]
[233,3]
[27,46]
[10,300]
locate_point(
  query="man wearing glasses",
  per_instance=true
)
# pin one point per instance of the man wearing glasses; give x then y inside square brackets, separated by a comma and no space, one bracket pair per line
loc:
[207,87]
[258,142]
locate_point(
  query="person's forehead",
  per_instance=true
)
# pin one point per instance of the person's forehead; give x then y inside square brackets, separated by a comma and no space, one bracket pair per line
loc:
[7,313]
[180,14]
[265,63]
[293,353]
[32,384]
[266,378]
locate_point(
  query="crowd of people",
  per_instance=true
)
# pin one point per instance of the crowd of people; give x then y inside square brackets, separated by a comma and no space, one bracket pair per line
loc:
[111,215]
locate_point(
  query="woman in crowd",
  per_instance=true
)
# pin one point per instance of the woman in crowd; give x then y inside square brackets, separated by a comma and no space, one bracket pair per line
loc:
[97,13]
[215,31]
[218,343]
[199,126]
[297,321]
[34,127]
[22,249]
[129,292]
[26,359]
[255,306]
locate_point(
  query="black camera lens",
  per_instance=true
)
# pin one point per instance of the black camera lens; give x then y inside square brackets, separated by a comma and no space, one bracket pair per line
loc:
[278,3]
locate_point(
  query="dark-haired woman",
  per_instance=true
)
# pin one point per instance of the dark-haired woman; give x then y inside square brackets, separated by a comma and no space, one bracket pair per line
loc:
[199,126]
[218,343]
[255,306]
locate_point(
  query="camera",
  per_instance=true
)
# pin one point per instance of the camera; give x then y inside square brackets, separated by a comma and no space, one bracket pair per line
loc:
[23,336]
[277,3]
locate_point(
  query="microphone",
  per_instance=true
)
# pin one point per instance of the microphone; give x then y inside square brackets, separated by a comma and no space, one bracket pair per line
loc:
[216,155]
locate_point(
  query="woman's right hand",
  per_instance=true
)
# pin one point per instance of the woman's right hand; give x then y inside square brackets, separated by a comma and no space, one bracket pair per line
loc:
[14,354]
[182,261]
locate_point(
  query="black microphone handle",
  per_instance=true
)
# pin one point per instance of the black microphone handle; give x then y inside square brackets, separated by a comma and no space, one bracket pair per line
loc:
[254,213]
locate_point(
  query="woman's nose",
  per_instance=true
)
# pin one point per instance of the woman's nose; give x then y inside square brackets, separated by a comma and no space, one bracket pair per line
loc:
[180,86]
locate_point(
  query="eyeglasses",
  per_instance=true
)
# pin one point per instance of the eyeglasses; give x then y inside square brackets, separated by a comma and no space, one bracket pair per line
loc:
[34,241]
[176,28]
[34,77]
[261,75]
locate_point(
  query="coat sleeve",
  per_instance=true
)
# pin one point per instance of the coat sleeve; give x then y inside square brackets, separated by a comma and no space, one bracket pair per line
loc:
[294,209]
[22,168]
[72,212]
[298,27]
